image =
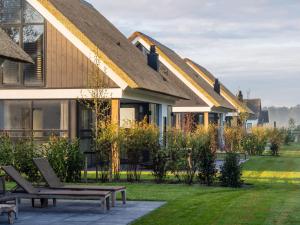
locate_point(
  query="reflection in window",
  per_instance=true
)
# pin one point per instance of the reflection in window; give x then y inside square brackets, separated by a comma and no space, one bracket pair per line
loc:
[10,70]
[10,11]
[40,118]
[33,45]
[31,39]
[31,15]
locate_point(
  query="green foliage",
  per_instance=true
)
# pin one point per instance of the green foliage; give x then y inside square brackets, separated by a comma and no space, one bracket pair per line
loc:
[65,158]
[255,142]
[6,151]
[74,161]
[289,137]
[160,161]
[207,166]
[25,151]
[177,143]
[192,153]
[233,138]
[231,171]
[140,137]
[276,137]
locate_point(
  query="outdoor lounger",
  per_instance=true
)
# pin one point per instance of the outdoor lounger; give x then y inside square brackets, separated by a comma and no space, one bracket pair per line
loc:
[54,182]
[30,192]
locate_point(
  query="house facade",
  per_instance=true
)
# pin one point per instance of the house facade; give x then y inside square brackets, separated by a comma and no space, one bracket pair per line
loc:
[260,117]
[69,44]
[205,104]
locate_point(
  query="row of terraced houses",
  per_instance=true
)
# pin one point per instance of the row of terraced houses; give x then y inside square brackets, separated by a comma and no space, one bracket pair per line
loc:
[142,76]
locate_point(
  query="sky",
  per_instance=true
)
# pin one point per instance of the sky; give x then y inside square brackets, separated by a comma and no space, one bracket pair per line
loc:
[252,45]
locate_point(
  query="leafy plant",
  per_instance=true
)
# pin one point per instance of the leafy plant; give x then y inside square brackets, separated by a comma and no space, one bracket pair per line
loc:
[276,140]
[231,171]
[160,159]
[65,158]
[6,150]
[255,142]
[25,151]
[233,138]
[140,137]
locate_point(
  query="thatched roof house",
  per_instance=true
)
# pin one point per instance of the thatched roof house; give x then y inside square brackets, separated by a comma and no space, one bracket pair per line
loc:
[195,82]
[100,37]
[11,51]
[225,92]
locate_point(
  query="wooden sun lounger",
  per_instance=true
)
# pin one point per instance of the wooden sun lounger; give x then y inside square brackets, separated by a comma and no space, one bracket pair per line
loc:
[30,192]
[53,181]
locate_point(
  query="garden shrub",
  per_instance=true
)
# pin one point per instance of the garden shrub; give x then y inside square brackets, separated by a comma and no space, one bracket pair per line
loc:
[25,151]
[140,137]
[255,142]
[177,144]
[104,140]
[160,159]
[233,138]
[231,171]
[65,158]
[276,137]
[6,150]
[75,161]
[206,158]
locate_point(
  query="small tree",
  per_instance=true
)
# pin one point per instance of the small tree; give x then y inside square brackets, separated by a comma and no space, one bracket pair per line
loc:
[233,138]
[207,156]
[276,139]
[231,171]
[96,101]
[140,137]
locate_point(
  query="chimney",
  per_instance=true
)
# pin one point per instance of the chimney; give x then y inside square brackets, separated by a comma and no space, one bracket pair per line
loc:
[217,86]
[240,96]
[153,61]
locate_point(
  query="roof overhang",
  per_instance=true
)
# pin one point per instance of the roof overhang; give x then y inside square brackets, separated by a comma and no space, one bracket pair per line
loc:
[239,106]
[86,46]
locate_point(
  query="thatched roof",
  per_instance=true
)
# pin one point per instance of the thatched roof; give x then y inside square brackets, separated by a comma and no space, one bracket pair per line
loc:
[11,51]
[255,106]
[173,58]
[211,78]
[194,100]
[102,37]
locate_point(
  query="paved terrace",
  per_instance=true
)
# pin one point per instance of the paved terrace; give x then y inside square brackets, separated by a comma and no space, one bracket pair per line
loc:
[82,213]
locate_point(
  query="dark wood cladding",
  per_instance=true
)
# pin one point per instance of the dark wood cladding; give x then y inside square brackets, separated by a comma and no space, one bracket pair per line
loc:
[66,66]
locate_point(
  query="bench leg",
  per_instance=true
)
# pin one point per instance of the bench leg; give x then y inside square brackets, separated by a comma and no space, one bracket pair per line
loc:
[107,201]
[32,202]
[54,202]
[123,196]
[11,217]
[103,204]
[113,199]
[17,207]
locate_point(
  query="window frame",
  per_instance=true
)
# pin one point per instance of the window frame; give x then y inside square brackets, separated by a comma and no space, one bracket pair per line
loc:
[32,131]
[21,75]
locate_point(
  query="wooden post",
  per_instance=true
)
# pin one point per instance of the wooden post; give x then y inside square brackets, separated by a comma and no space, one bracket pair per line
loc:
[115,119]
[206,120]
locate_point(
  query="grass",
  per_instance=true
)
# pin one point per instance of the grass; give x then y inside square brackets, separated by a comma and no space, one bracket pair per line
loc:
[273,197]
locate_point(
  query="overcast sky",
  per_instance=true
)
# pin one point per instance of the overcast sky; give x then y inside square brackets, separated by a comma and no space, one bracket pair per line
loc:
[253,45]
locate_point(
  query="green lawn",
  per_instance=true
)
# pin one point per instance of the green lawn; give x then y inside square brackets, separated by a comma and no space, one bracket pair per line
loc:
[273,197]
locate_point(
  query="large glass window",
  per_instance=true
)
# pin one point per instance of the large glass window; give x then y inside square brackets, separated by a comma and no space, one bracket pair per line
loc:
[26,27]
[37,118]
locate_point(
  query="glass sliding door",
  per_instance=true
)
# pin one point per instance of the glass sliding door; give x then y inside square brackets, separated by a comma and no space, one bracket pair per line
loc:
[39,119]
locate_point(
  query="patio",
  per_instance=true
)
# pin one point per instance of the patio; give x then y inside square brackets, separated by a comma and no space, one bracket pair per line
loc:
[83,213]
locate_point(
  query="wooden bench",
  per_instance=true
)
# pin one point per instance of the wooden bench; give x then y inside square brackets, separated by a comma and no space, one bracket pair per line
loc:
[11,211]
